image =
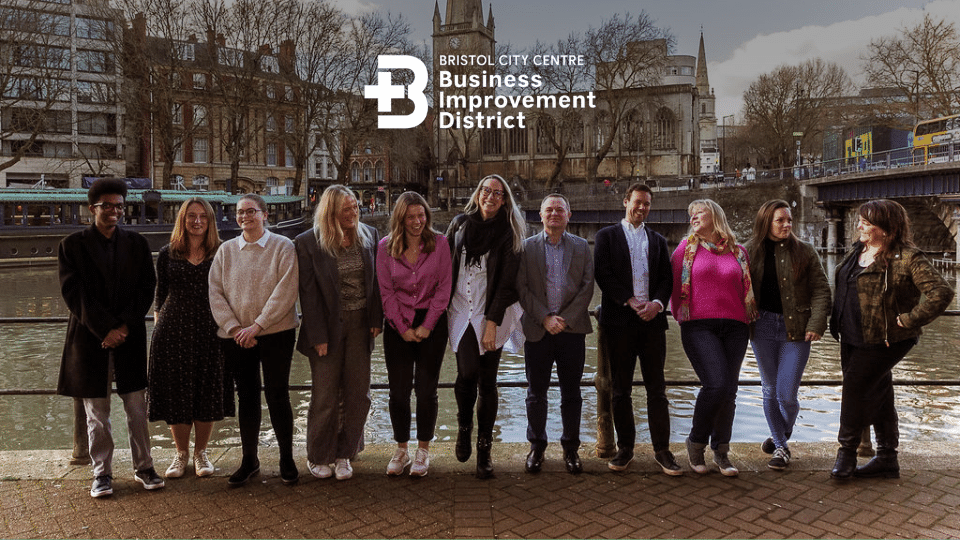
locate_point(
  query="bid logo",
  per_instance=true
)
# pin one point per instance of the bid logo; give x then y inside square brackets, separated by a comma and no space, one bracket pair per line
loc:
[385,91]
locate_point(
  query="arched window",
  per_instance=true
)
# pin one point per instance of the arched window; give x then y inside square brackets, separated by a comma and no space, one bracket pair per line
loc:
[603,128]
[367,172]
[664,135]
[545,131]
[576,136]
[355,172]
[631,132]
[379,171]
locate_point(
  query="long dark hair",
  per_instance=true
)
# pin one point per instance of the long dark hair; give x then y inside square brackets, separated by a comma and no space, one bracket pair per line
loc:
[761,231]
[891,218]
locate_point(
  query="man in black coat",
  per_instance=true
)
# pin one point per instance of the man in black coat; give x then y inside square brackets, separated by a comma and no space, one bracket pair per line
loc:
[632,269]
[107,281]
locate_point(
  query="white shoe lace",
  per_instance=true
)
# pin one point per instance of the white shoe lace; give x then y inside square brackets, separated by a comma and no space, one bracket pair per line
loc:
[202,463]
[179,464]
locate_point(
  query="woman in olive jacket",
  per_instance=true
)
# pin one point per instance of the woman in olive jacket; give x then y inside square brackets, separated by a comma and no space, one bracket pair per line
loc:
[793,298]
[877,316]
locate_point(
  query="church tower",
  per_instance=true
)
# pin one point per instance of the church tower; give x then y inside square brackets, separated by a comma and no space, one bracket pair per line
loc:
[707,117]
[463,30]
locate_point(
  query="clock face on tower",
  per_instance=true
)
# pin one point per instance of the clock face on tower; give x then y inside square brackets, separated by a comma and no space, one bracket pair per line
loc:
[455,42]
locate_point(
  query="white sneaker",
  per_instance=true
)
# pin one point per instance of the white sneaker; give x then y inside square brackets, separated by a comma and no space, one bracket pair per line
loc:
[319,471]
[179,465]
[399,462]
[201,463]
[343,469]
[421,463]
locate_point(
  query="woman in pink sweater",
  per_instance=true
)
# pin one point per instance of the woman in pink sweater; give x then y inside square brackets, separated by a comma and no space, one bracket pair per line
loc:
[713,302]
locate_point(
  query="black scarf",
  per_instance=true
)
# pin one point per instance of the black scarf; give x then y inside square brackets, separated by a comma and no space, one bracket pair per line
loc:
[480,235]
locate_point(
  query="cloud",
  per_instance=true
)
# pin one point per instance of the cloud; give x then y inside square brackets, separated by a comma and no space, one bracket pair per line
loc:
[843,42]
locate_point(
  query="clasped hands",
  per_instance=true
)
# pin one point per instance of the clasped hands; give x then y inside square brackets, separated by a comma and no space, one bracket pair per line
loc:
[645,310]
[115,337]
[417,334]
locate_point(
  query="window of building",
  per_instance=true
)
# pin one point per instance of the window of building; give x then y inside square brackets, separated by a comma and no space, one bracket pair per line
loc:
[95,123]
[176,114]
[631,132]
[664,135]
[271,122]
[93,28]
[199,81]
[545,129]
[200,115]
[288,184]
[269,64]
[288,93]
[201,181]
[200,150]
[178,154]
[94,61]
[577,136]
[367,172]
[517,141]
[94,92]
[185,51]
[288,124]
[491,142]
[270,91]
[379,171]
[272,154]
[230,57]
[288,158]
[355,172]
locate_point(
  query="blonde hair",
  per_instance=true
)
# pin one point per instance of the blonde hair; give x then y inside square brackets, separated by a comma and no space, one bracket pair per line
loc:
[398,240]
[720,225]
[517,223]
[326,226]
[179,246]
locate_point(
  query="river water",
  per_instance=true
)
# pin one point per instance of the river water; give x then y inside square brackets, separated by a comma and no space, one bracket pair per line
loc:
[29,358]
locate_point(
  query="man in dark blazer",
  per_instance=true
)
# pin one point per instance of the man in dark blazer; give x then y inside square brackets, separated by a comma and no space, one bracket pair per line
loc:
[634,274]
[107,281]
[555,283]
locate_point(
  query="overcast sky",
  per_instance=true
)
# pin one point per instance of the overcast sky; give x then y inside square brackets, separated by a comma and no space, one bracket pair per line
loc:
[744,38]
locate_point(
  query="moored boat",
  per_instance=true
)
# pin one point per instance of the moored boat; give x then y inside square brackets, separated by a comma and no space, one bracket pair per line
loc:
[33,221]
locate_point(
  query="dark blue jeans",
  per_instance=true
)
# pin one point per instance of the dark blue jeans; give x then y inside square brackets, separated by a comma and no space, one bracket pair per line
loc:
[569,352]
[715,348]
[781,363]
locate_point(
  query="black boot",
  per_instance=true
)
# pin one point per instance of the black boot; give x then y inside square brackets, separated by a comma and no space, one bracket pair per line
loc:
[846,464]
[484,463]
[464,433]
[883,465]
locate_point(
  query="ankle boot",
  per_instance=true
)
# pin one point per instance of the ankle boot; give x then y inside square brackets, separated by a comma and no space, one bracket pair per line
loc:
[846,464]
[484,463]
[463,447]
[883,465]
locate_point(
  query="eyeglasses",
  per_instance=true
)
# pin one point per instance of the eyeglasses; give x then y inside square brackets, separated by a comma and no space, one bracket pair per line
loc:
[249,212]
[492,193]
[107,207]
[195,217]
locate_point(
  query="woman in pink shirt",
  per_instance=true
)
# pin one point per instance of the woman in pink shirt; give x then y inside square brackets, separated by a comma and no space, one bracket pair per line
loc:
[414,272]
[713,302]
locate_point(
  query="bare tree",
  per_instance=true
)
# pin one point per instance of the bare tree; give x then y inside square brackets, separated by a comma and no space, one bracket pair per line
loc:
[155,53]
[560,129]
[34,78]
[792,99]
[313,27]
[626,53]
[923,63]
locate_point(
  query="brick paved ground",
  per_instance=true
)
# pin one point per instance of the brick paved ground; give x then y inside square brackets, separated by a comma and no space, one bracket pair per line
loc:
[46,499]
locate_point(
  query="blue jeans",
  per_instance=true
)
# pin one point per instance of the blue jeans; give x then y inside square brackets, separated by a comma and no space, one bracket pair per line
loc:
[715,348]
[781,364]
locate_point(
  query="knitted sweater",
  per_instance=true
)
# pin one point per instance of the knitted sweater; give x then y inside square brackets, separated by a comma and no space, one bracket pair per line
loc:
[257,284]
[716,285]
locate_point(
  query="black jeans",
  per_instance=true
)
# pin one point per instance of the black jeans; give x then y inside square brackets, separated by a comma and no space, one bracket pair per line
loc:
[569,352]
[624,346]
[475,372]
[867,397]
[414,366]
[274,353]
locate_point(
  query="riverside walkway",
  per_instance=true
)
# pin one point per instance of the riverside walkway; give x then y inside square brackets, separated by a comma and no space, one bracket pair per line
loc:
[42,496]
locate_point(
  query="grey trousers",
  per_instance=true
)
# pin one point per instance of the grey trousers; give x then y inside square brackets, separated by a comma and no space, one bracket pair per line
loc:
[341,382]
[100,433]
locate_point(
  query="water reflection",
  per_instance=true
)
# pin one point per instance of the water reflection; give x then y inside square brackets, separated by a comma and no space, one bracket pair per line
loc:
[30,354]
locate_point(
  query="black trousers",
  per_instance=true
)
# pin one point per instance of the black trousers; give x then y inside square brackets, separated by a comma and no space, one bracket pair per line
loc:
[569,353]
[274,354]
[477,384]
[624,346]
[868,397]
[413,366]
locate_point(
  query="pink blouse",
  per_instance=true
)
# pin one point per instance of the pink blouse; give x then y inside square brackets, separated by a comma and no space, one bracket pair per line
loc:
[406,287]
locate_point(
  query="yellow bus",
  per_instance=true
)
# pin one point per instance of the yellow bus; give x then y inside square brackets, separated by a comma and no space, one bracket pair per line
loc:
[937,140]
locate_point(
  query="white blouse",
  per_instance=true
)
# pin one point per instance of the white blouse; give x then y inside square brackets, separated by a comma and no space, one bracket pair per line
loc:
[468,303]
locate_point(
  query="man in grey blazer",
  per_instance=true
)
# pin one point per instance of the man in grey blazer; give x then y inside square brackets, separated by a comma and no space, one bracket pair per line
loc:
[555,283]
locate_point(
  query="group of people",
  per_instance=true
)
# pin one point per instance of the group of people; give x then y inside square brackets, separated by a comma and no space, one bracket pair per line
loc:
[227,313]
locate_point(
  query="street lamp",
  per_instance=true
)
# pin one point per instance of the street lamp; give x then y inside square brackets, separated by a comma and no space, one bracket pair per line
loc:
[723,150]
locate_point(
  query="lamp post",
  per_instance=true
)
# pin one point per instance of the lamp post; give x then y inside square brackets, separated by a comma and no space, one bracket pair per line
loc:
[723,149]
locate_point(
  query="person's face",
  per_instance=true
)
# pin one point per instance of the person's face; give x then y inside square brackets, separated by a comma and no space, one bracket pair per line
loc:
[638,207]
[870,234]
[414,220]
[701,221]
[197,220]
[108,211]
[554,214]
[781,225]
[348,214]
[490,197]
[250,217]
